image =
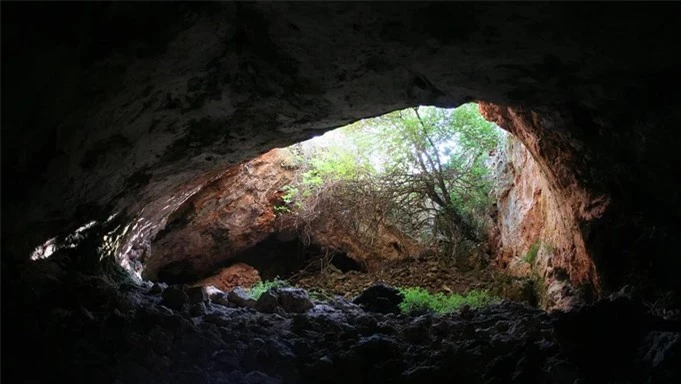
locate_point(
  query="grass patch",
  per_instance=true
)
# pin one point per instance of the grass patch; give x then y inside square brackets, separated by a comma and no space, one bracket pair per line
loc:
[532,253]
[418,300]
[263,286]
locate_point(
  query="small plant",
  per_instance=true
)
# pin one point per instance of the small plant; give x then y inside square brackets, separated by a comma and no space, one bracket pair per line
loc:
[281,209]
[418,300]
[263,286]
[290,193]
[532,253]
[320,295]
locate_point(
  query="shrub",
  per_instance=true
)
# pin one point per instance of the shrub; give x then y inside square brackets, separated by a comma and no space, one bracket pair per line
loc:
[263,286]
[418,300]
[532,253]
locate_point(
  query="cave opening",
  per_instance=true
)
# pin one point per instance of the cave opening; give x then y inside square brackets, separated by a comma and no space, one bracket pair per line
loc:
[406,198]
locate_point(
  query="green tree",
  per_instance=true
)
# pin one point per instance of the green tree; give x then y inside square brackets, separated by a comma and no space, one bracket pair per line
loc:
[422,169]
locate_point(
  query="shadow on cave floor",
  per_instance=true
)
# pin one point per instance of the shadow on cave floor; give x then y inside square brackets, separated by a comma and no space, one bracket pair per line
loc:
[83,328]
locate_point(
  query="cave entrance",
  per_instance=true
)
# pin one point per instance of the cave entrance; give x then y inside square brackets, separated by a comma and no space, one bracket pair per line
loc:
[405,197]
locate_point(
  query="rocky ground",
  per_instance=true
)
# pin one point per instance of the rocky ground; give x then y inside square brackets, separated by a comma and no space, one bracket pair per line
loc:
[428,272]
[88,329]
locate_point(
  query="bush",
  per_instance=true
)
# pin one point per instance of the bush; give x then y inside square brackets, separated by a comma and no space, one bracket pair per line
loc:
[263,286]
[532,253]
[418,300]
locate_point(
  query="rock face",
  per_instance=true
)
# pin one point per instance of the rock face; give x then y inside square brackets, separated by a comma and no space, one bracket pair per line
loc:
[531,236]
[226,217]
[236,218]
[237,275]
[137,106]
[570,189]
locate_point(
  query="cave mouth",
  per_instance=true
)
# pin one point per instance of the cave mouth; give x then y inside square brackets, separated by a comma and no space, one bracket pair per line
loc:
[362,204]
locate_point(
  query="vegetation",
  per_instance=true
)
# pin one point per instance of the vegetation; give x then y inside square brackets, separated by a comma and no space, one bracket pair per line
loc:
[418,300]
[423,170]
[532,252]
[264,285]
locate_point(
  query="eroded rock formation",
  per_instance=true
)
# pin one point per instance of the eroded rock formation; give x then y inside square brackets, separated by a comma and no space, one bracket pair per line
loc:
[533,236]
[235,217]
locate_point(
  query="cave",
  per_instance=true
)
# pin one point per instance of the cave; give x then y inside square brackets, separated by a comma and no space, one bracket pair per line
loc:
[126,116]
[267,257]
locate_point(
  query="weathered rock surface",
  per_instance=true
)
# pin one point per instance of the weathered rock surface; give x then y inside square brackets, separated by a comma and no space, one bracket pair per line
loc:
[240,297]
[174,298]
[236,275]
[236,218]
[531,237]
[268,302]
[294,300]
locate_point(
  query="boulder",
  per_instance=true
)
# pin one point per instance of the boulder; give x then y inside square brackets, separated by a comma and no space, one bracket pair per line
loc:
[196,295]
[241,298]
[174,298]
[197,309]
[294,300]
[268,302]
[380,298]
[157,288]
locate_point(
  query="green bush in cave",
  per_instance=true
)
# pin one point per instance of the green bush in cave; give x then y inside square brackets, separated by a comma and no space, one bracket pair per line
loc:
[418,300]
[265,285]
[532,252]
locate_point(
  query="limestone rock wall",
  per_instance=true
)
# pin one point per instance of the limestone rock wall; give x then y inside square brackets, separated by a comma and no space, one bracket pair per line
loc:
[530,238]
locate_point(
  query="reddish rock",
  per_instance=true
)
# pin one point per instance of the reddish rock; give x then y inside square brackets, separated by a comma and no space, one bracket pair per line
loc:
[239,274]
[542,201]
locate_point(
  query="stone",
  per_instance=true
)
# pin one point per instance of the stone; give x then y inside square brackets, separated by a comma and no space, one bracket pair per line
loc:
[257,377]
[221,299]
[294,300]
[241,298]
[661,351]
[376,349]
[157,288]
[301,323]
[174,298]
[268,302]
[197,309]
[211,291]
[197,295]
[380,298]
[238,274]
[561,372]
[422,374]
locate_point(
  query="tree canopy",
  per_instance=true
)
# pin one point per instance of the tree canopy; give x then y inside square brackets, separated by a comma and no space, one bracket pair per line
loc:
[423,169]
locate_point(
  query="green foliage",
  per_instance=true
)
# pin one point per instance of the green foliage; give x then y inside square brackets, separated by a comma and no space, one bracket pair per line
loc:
[290,193]
[263,286]
[418,300]
[424,170]
[281,209]
[532,252]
